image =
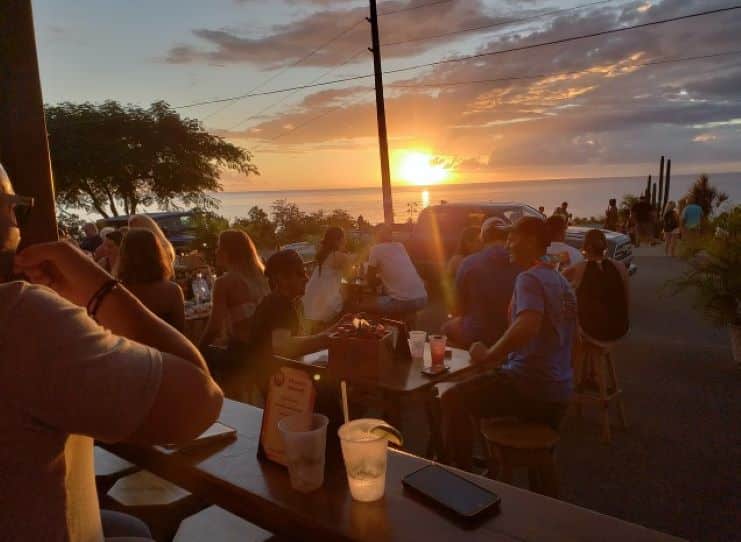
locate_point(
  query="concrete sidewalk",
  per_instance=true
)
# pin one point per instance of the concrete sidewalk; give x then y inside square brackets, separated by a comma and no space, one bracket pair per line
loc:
[678,466]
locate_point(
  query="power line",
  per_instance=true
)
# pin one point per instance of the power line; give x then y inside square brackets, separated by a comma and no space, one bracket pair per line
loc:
[556,74]
[564,40]
[282,100]
[412,8]
[493,25]
[279,73]
[468,57]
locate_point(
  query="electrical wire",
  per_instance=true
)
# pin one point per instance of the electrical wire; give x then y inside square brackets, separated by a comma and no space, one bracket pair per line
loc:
[494,25]
[282,100]
[470,57]
[557,74]
[563,40]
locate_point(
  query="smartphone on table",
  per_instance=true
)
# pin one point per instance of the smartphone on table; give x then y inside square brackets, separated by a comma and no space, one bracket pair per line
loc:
[455,494]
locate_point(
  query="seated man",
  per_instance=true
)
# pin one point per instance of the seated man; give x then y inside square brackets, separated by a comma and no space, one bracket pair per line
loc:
[389,264]
[564,255]
[484,285]
[114,372]
[531,363]
[276,324]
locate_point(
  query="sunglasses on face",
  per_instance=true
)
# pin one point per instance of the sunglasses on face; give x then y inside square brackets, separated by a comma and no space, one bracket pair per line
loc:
[21,206]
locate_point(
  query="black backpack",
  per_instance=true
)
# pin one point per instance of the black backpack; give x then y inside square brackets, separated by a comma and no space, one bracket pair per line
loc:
[602,305]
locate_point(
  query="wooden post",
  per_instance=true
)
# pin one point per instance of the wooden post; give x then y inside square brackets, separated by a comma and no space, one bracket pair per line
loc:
[24,148]
[668,179]
[661,185]
[383,144]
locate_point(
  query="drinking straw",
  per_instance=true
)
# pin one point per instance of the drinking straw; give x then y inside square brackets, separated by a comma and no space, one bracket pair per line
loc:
[343,391]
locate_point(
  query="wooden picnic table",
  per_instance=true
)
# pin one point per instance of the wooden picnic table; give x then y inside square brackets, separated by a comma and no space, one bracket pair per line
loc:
[230,475]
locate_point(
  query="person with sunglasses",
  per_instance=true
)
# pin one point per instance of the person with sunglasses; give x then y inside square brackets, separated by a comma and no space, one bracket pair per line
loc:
[81,359]
[276,325]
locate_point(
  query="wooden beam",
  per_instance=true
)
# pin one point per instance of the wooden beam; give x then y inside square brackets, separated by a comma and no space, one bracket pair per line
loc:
[24,148]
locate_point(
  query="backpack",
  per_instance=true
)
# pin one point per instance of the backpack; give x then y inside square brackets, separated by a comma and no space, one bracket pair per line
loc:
[602,305]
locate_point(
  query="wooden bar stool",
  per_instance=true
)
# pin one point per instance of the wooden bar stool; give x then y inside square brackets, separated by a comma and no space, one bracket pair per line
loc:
[513,443]
[596,381]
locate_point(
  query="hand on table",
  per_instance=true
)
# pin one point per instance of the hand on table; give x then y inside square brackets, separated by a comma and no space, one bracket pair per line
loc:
[478,352]
[64,268]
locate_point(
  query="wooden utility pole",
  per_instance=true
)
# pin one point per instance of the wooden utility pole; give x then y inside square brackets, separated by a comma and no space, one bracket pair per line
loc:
[383,144]
[24,148]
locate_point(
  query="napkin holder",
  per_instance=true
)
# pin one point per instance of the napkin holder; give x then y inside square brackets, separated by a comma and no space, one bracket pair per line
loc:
[360,357]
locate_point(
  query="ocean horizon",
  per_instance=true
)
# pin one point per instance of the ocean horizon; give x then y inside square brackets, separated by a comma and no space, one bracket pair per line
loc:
[586,196]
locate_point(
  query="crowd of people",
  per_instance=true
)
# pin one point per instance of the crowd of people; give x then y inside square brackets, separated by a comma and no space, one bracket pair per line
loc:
[115,364]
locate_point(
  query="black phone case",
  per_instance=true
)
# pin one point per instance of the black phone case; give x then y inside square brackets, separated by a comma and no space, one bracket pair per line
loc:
[466,519]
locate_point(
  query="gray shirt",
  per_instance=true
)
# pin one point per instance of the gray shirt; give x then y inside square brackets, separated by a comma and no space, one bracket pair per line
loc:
[61,375]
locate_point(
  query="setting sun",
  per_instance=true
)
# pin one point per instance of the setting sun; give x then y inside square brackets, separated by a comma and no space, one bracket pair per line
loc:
[420,168]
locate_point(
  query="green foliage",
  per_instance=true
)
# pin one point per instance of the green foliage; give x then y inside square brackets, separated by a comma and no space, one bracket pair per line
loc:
[706,195]
[111,158]
[628,201]
[714,274]
[69,223]
[258,226]
[208,226]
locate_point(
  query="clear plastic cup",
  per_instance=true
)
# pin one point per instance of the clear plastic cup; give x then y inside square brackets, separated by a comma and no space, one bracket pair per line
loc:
[437,350]
[417,344]
[365,458]
[305,450]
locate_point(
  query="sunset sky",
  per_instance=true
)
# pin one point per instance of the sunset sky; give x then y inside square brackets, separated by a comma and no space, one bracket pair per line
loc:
[589,108]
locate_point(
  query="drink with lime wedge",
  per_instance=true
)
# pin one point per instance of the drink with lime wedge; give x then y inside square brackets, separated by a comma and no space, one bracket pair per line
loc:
[364,449]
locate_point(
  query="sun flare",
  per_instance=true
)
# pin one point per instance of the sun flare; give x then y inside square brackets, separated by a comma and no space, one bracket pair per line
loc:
[420,169]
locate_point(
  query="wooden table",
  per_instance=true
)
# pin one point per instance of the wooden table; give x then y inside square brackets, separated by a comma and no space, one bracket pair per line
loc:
[406,380]
[230,475]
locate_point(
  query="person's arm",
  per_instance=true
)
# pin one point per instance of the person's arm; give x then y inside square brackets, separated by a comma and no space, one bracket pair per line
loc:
[184,373]
[177,310]
[623,270]
[217,318]
[529,306]
[292,346]
[523,329]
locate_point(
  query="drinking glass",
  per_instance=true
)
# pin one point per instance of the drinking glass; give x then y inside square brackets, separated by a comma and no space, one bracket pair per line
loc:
[305,450]
[437,350]
[365,458]
[417,344]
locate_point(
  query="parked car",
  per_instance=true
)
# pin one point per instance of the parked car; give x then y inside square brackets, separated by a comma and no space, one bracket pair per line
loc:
[435,236]
[177,226]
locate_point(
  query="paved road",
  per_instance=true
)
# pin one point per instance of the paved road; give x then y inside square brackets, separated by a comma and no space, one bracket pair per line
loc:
[678,467]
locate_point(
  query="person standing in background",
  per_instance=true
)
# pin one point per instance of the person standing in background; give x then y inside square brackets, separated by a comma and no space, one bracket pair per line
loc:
[671,229]
[612,217]
[691,220]
[92,239]
[148,223]
[110,250]
[469,243]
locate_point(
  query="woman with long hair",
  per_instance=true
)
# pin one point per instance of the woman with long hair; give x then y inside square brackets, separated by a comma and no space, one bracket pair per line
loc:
[145,268]
[237,292]
[148,223]
[602,291]
[323,298]
[671,228]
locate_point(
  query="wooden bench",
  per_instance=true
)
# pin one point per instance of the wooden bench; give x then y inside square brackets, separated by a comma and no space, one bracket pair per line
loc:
[512,443]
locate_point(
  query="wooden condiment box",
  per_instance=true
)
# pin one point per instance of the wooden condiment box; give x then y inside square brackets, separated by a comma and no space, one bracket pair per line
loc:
[359,357]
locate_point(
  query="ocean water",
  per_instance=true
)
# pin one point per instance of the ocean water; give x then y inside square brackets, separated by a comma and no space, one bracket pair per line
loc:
[586,197]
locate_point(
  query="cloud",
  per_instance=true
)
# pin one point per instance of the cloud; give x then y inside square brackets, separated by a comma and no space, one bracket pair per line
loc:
[287,43]
[605,108]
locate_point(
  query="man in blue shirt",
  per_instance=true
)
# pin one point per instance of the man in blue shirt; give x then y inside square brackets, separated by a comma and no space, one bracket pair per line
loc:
[691,218]
[484,285]
[531,362]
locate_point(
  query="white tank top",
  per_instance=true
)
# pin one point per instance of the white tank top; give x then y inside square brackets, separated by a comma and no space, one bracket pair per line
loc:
[323,298]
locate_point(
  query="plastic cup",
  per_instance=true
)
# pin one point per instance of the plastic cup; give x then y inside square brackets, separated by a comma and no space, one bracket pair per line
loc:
[417,344]
[365,459]
[305,450]
[437,350]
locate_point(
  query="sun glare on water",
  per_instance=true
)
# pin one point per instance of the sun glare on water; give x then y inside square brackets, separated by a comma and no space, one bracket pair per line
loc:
[420,169]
